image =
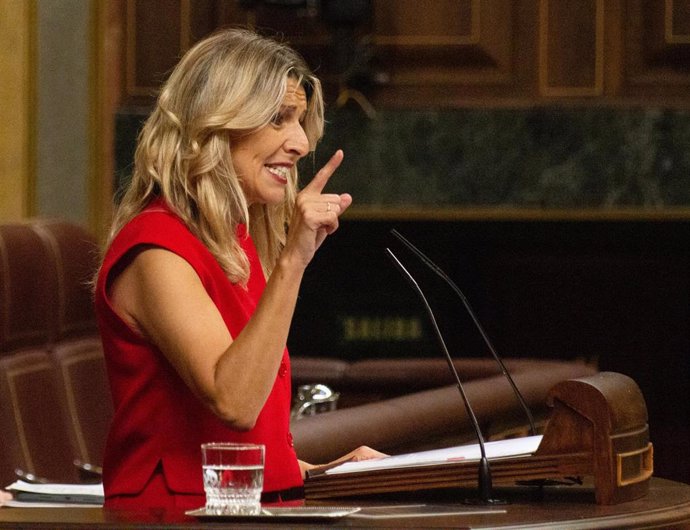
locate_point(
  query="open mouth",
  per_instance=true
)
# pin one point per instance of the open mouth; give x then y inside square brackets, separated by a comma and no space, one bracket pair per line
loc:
[281,172]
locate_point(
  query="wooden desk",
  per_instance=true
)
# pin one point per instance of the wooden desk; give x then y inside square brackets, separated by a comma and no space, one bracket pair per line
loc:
[666,505]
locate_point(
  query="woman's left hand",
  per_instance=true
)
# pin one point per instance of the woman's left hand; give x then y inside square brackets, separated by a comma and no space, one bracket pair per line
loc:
[5,496]
[361,453]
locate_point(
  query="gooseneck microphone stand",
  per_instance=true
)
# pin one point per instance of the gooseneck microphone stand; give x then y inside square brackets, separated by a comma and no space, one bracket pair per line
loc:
[487,341]
[484,472]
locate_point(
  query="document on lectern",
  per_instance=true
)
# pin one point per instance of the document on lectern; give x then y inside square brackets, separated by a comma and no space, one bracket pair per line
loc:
[52,495]
[514,447]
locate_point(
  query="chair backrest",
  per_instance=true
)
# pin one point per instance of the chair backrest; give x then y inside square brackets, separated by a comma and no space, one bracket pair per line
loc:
[74,253]
[45,269]
[32,421]
[84,386]
[54,403]
[28,294]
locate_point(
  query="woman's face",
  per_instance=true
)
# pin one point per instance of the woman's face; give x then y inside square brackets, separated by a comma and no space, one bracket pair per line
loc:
[263,159]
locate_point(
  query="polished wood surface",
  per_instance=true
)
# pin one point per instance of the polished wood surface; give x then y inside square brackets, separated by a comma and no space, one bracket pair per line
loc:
[666,505]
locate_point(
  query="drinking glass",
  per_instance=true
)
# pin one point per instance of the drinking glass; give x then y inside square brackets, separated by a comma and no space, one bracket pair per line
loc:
[233,478]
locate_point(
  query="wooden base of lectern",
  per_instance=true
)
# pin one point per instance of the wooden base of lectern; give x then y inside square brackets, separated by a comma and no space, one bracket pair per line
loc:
[598,428]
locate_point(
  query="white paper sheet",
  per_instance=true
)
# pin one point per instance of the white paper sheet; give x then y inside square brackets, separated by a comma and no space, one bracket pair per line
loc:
[31,504]
[54,494]
[513,447]
[58,489]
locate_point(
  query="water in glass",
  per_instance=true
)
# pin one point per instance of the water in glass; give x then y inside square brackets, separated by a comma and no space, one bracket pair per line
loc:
[233,489]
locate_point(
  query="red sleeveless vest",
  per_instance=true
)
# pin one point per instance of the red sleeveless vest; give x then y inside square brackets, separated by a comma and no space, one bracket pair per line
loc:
[158,422]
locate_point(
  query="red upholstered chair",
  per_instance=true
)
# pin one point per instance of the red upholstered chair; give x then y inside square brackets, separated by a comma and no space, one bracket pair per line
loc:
[83,385]
[28,294]
[74,254]
[45,270]
[75,344]
[32,424]
[54,403]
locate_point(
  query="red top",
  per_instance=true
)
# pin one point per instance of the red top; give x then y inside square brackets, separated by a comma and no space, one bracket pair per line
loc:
[157,419]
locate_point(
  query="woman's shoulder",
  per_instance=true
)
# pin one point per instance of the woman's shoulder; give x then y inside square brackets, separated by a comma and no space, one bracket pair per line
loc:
[157,222]
[157,225]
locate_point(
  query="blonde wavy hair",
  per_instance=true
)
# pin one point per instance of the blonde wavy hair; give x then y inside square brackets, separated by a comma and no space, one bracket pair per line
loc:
[227,85]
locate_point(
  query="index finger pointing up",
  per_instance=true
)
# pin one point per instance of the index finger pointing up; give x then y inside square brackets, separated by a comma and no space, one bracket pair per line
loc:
[318,183]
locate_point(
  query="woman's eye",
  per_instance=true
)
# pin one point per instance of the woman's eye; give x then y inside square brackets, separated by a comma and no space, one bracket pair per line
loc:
[278,119]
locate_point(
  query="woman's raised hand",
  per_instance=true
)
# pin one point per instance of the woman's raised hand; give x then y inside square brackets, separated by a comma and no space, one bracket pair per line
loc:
[316,213]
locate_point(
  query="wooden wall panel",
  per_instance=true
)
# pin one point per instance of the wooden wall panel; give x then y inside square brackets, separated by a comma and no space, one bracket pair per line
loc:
[300,26]
[571,47]
[448,53]
[657,48]
[403,23]
[158,33]
[457,50]
[153,43]
[457,41]
[677,21]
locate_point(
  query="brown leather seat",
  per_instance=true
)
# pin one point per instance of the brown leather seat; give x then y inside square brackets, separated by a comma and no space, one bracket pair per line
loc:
[55,406]
[76,346]
[84,387]
[28,294]
[32,422]
[75,257]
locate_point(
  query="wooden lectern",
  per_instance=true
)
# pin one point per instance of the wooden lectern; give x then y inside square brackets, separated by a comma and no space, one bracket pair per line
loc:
[597,428]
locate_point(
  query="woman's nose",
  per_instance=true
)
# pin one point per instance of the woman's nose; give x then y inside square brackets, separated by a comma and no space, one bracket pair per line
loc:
[297,141]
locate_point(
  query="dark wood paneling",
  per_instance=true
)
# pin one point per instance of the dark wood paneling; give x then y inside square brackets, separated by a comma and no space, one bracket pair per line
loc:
[679,23]
[451,52]
[153,43]
[455,50]
[657,48]
[158,33]
[448,23]
[571,47]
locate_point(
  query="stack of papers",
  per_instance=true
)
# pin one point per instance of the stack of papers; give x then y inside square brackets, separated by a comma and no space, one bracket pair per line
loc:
[515,447]
[27,494]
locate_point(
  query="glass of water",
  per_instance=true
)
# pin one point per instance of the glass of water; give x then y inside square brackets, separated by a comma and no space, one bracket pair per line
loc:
[233,478]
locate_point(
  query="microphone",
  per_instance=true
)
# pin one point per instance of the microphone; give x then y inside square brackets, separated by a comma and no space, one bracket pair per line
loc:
[484,478]
[456,289]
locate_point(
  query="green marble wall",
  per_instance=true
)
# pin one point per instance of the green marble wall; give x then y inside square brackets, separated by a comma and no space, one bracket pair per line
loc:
[549,157]
[545,157]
